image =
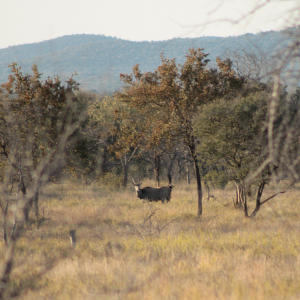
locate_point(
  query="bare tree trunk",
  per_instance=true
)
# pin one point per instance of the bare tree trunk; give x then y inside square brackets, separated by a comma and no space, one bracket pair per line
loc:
[187,172]
[36,204]
[170,178]
[169,160]
[125,174]
[179,170]
[245,207]
[198,177]
[241,195]
[26,212]
[5,222]
[258,198]
[241,198]
[237,200]
[126,162]
[28,205]
[207,189]
[72,234]
[157,168]
[8,262]
[104,161]
[22,187]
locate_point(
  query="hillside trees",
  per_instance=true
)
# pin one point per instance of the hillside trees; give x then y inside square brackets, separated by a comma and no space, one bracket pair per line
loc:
[167,99]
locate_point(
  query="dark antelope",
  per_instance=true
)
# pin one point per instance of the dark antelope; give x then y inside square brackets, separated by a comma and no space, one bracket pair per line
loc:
[153,194]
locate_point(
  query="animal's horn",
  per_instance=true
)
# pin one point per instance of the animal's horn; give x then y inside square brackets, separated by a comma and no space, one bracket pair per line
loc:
[133,182]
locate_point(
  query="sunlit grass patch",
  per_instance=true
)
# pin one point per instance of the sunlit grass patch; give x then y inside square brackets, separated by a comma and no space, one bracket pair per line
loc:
[127,249]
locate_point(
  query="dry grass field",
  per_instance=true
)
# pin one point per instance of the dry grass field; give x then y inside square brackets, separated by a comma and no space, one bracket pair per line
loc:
[127,249]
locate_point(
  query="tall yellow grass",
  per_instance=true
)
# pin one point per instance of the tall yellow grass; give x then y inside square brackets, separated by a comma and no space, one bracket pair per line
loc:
[121,254]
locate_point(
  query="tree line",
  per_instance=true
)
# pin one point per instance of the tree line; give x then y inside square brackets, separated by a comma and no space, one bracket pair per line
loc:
[161,123]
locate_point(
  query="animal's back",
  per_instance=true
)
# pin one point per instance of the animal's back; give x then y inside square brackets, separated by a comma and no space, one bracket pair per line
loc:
[155,194]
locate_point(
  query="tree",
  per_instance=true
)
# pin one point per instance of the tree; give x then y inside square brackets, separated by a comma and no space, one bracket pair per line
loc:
[169,158]
[167,99]
[234,136]
[37,120]
[105,127]
[33,118]
[82,158]
[285,70]
[254,65]
[153,159]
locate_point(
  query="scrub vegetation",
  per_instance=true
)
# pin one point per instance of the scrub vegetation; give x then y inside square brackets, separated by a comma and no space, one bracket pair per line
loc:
[127,249]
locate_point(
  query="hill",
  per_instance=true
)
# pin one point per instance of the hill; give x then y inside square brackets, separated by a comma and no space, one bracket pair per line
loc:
[99,60]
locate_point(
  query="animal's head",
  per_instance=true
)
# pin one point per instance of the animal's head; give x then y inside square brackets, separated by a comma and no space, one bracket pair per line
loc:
[170,186]
[137,186]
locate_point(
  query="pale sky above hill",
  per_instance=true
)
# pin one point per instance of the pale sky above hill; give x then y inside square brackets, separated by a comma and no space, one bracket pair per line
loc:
[30,21]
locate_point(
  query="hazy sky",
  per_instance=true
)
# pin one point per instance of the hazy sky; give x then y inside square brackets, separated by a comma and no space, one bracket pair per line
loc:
[29,21]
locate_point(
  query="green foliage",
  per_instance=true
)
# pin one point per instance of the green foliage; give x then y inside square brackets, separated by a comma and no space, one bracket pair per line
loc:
[108,118]
[82,149]
[167,98]
[104,128]
[166,101]
[232,134]
[34,114]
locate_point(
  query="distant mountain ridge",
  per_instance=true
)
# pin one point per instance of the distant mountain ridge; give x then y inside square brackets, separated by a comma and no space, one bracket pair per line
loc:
[99,60]
[42,48]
